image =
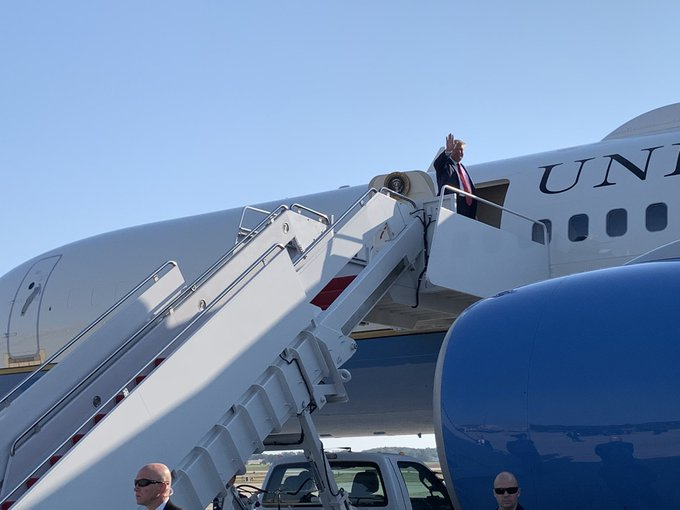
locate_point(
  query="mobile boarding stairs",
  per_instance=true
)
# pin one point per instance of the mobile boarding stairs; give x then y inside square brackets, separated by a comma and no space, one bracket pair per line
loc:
[198,376]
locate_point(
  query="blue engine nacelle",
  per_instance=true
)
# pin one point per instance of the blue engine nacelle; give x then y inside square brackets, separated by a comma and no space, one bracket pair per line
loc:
[572,384]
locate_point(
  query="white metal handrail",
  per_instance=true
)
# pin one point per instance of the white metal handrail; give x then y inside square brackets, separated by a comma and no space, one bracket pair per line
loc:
[37,424]
[153,276]
[457,191]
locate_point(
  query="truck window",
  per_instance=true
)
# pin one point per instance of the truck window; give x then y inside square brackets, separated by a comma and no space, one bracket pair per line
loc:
[425,490]
[293,485]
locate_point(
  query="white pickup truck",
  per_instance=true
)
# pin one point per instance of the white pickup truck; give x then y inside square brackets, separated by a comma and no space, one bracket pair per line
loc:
[387,481]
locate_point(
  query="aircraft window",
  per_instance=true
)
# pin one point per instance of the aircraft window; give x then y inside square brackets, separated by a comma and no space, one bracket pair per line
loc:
[578,227]
[617,222]
[537,231]
[656,217]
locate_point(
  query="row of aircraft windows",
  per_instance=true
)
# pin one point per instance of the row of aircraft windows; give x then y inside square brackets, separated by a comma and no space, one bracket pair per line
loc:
[656,219]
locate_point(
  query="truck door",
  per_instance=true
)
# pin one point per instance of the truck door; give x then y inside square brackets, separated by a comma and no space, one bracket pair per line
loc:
[23,342]
[425,490]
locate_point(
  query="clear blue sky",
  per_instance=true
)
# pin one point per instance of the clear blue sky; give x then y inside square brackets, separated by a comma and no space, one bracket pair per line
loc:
[120,113]
[124,112]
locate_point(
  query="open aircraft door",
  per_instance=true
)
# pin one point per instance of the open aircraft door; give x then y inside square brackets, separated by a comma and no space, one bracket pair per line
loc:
[23,344]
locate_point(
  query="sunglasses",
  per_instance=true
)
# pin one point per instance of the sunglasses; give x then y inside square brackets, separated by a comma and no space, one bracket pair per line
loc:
[143,482]
[509,490]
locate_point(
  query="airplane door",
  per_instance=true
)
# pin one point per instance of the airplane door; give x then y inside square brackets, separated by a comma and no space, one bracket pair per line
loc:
[24,318]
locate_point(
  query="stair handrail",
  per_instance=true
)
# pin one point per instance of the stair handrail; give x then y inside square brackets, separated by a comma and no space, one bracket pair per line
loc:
[387,191]
[252,266]
[239,244]
[361,201]
[154,275]
[497,206]
[243,231]
[206,275]
[247,231]
[299,207]
[15,445]
[178,300]
[260,259]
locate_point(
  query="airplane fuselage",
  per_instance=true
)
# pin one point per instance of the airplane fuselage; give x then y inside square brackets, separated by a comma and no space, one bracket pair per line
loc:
[605,203]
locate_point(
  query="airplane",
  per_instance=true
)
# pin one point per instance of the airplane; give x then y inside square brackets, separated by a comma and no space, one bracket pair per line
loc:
[459,347]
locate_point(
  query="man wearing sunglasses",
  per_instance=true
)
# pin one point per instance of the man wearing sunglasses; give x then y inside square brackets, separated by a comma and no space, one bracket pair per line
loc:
[152,487]
[506,490]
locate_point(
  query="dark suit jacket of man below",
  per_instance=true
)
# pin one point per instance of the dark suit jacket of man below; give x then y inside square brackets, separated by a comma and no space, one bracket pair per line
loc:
[447,175]
[170,506]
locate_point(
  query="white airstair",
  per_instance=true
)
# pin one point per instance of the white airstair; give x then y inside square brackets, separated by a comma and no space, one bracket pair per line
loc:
[198,376]
[465,260]
[463,249]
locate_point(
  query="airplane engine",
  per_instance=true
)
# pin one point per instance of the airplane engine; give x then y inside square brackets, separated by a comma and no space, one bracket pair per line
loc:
[571,384]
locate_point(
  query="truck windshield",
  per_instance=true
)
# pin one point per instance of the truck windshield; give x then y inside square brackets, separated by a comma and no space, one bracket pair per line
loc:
[293,484]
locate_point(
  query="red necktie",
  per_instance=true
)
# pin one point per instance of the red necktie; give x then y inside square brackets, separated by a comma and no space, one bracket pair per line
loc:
[465,184]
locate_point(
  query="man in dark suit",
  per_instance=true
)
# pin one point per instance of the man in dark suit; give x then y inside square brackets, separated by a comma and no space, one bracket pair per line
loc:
[153,487]
[451,172]
[506,491]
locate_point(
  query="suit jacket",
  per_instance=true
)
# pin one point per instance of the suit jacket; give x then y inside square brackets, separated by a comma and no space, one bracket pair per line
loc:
[170,506]
[447,175]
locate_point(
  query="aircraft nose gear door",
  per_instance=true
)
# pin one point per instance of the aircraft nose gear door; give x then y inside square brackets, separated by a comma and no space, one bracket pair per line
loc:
[23,344]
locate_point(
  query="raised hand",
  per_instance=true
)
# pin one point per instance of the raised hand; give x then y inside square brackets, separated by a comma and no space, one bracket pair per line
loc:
[449,143]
